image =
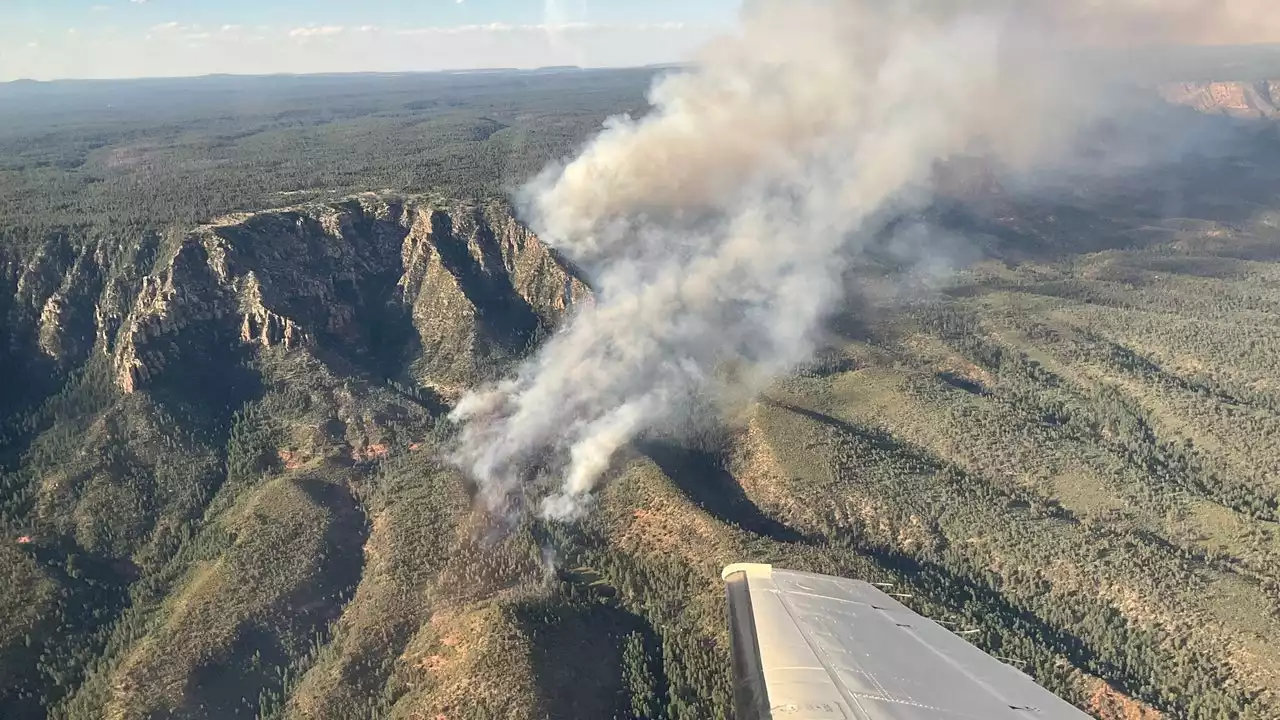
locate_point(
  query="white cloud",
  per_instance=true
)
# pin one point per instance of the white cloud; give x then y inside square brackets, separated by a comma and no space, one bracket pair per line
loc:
[498,27]
[174,31]
[99,8]
[305,32]
[662,26]
[175,27]
[564,27]
[138,2]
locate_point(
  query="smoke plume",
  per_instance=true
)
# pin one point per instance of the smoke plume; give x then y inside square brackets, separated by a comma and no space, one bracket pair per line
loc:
[717,229]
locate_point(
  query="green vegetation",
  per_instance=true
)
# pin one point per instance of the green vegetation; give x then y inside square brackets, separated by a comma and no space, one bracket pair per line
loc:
[121,156]
[1072,447]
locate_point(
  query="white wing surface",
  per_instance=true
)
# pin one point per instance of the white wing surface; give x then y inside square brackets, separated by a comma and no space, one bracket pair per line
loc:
[813,647]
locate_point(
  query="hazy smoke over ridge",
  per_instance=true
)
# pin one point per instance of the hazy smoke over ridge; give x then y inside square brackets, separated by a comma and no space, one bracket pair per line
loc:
[716,230]
[1220,22]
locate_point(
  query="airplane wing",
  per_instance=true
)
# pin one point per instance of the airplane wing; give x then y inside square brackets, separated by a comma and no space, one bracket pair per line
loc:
[813,647]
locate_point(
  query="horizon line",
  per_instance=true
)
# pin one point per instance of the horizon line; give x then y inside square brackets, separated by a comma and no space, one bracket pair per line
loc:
[344,73]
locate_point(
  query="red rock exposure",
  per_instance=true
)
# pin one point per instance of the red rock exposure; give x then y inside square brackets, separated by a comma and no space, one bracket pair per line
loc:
[371,452]
[1237,99]
[1109,704]
[291,460]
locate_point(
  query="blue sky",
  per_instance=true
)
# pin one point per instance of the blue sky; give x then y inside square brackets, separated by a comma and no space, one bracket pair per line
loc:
[46,39]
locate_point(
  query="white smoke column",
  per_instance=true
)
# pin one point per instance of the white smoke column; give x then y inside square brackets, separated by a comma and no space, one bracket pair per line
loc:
[716,230]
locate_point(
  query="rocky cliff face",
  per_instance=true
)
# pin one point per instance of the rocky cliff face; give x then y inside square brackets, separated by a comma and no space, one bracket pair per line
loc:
[1237,99]
[48,299]
[479,288]
[43,312]
[442,290]
[438,293]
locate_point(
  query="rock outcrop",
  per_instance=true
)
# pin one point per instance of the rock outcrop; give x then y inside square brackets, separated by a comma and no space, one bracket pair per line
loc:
[479,287]
[442,292]
[1252,100]
[49,301]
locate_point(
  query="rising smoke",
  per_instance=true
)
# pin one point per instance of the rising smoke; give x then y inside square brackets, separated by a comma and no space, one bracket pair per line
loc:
[718,228]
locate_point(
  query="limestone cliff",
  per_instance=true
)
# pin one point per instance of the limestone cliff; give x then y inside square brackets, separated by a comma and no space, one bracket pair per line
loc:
[480,287]
[1251,100]
[443,292]
[48,301]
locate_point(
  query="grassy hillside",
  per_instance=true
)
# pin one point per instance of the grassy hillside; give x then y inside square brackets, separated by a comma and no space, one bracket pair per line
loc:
[221,492]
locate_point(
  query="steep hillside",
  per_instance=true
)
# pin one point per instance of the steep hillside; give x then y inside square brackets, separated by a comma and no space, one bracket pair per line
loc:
[188,513]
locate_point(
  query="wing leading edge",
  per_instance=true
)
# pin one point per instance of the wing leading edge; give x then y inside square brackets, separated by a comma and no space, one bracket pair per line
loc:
[813,647]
